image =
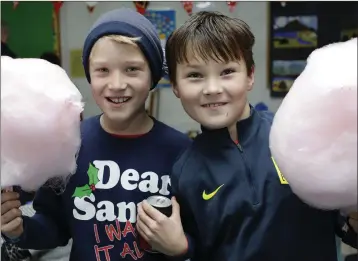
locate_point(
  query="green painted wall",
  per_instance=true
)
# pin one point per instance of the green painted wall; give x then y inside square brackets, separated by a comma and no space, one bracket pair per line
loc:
[31,29]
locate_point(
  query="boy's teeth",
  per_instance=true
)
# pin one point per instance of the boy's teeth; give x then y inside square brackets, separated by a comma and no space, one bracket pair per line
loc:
[118,100]
[213,104]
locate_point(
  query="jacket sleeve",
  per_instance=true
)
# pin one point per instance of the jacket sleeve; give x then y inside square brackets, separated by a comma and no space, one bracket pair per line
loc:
[48,228]
[345,231]
[185,212]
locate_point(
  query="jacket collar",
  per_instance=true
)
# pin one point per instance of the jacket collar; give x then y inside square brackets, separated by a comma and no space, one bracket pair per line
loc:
[246,129]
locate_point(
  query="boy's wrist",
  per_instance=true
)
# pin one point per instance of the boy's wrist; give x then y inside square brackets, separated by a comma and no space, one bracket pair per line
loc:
[10,239]
[182,246]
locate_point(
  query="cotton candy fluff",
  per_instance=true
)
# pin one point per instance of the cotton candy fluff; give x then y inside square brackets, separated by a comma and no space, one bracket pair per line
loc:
[40,123]
[314,134]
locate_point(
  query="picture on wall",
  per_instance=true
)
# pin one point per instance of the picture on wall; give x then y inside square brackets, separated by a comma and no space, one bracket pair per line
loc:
[282,84]
[347,34]
[288,68]
[164,22]
[295,31]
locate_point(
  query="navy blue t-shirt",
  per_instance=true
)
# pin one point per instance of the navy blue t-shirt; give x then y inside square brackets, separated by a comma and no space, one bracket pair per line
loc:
[99,206]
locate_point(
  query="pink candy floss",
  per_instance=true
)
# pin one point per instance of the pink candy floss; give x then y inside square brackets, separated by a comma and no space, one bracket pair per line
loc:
[314,134]
[40,123]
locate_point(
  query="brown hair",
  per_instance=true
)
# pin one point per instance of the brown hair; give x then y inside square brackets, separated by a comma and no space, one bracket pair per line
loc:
[210,35]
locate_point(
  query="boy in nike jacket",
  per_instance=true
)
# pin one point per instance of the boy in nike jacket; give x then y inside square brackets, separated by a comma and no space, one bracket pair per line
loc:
[125,157]
[234,202]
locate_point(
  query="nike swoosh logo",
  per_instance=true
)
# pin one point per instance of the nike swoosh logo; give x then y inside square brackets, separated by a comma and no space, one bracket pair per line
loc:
[212,194]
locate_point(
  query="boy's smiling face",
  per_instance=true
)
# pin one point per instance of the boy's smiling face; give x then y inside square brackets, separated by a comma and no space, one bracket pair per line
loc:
[213,93]
[120,79]
[210,64]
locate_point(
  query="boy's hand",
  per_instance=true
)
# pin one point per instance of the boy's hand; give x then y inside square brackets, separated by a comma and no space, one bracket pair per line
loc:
[11,215]
[353,221]
[164,234]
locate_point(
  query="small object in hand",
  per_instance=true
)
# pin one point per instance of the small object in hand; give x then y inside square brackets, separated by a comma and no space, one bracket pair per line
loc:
[162,204]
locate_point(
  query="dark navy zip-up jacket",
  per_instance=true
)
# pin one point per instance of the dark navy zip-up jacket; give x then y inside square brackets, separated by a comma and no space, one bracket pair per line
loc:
[236,206]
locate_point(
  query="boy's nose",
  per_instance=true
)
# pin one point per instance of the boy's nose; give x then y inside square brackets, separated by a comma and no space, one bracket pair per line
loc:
[120,86]
[212,87]
[118,82]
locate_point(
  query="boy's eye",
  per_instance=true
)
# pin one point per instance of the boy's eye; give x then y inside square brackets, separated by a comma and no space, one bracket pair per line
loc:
[102,70]
[227,71]
[194,75]
[131,69]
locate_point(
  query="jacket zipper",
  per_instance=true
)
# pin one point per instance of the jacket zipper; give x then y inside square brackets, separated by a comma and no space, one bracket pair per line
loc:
[249,176]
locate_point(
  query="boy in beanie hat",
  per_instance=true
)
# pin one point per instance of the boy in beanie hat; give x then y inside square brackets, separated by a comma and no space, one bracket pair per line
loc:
[126,156]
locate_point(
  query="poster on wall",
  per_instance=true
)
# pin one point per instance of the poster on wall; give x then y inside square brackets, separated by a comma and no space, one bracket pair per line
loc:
[164,22]
[347,34]
[289,34]
[76,67]
[295,32]
[293,38]
[285,73]
[296,29]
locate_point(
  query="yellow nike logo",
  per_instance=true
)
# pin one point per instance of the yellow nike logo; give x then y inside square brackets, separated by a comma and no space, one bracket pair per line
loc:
[281,177]
[212,194]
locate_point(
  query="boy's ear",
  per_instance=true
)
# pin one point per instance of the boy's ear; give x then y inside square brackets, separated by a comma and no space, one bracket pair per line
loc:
[175,90]
[251,79]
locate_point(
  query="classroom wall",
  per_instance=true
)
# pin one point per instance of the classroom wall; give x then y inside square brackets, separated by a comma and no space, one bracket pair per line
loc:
[25,27]
[75,21]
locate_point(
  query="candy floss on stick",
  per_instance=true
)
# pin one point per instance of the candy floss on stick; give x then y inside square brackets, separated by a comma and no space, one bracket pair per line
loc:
[40,124]
[314,134]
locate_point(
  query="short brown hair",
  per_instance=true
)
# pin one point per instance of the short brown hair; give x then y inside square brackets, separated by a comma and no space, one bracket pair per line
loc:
[210,35]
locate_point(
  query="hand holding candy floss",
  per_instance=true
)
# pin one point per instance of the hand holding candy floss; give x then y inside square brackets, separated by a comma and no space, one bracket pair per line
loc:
[40,123]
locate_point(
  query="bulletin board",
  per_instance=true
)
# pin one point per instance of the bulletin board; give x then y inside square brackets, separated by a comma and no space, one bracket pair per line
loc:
[165,23]
[296,29]
[34,28]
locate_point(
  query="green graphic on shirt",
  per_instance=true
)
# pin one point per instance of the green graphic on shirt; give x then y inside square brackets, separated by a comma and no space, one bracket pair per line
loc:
[87,189]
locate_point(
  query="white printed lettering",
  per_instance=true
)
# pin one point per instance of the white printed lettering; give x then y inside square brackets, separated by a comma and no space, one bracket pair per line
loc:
[85,204]
[150,185]
[114,173]
[127,176]
[106,213]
